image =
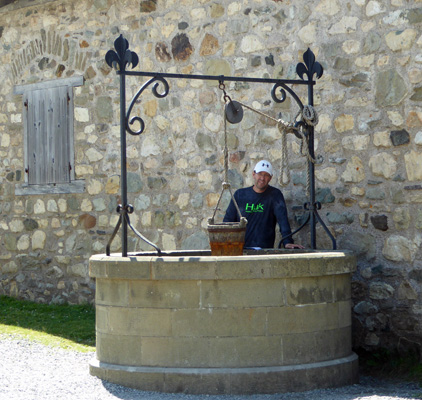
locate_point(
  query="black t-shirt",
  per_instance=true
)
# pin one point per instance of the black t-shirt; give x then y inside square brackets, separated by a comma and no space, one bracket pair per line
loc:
[263,211]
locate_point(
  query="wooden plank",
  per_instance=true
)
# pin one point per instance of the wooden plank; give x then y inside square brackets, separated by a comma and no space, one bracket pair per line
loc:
[41,138]
[69,82]
[62,134]
[50,134]
[34,147]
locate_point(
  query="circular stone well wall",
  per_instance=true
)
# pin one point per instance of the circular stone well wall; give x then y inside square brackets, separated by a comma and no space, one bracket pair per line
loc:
[193,323]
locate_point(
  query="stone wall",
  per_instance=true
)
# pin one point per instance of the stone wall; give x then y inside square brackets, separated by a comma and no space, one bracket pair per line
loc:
[369,135]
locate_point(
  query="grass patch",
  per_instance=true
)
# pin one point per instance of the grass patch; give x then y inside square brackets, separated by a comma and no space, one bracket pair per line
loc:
[384,363]
[66,326]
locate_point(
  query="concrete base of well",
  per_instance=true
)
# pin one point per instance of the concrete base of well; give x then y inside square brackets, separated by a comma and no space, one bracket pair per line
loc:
[292,378]
[190,322]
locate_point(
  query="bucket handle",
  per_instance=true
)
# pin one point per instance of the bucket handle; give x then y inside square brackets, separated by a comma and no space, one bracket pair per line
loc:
[243,220]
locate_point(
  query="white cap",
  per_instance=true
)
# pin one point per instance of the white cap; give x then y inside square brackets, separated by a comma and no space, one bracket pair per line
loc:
[263,166]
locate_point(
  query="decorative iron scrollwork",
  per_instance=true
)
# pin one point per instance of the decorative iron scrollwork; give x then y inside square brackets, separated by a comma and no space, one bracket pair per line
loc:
[283,89]
[282,92]
[130,121]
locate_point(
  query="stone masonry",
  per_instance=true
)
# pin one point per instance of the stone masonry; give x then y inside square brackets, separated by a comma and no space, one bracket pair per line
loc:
[369,102]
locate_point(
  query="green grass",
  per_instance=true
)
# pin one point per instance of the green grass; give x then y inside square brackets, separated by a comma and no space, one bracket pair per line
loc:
[65,326]
[384,363]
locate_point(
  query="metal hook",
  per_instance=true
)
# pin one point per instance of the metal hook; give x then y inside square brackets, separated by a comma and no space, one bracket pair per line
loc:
[222,87]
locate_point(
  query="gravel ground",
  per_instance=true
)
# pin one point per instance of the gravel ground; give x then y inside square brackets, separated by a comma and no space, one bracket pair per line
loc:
[31,371]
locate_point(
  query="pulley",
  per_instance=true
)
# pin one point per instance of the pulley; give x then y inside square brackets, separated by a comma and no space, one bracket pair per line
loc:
[233,111]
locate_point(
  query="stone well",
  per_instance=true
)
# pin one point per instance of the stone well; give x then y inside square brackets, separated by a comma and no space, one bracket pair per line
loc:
[193,323]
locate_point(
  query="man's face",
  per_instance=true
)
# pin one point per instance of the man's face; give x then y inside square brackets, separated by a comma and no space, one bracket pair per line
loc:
[262,180]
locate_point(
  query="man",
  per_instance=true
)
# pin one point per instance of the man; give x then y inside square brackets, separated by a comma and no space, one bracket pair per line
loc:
[263,206]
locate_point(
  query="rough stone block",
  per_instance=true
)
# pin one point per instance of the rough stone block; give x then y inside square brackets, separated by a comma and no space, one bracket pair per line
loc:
[399,138]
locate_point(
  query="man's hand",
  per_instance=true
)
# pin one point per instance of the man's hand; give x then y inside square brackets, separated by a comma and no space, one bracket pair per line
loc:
[293,246]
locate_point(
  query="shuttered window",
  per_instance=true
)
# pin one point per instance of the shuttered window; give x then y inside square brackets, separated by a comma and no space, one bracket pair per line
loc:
[48,136]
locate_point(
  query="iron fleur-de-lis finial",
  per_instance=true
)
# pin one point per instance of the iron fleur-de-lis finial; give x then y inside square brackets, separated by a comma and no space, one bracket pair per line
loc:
[310,67]
[120,58]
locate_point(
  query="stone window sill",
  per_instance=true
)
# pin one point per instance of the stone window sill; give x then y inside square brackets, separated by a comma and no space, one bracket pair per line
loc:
[59,188]
[11,5]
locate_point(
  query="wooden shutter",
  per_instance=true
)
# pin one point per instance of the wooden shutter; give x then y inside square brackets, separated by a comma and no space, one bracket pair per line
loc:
[48,138]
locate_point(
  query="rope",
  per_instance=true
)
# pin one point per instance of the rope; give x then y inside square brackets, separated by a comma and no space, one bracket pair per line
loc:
[226,185]
[310,116]
[260,112]
[226,153]
[284,178]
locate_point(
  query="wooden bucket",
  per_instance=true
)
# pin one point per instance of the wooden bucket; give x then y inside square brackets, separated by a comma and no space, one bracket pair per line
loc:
[227,238]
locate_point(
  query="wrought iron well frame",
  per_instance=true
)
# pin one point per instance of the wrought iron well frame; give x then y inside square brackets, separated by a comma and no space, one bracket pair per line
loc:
[122,57]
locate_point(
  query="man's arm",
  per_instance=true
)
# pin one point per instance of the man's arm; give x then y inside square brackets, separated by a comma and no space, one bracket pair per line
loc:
[280,210]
